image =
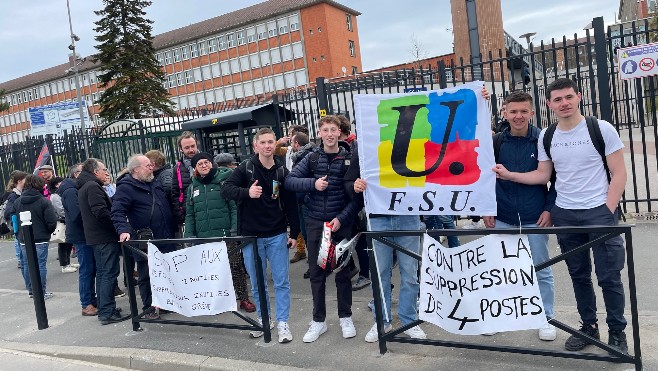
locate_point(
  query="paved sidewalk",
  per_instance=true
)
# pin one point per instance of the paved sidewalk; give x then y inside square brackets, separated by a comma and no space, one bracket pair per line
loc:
[167,347]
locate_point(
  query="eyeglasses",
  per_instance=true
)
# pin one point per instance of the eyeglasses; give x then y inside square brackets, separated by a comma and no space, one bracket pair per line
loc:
[103,169]
[204,163]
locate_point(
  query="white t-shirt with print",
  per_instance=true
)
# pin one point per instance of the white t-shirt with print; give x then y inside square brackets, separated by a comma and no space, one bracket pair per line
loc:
[581,181]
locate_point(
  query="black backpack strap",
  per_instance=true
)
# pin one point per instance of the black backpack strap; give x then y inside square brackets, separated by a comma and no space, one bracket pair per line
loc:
[597,140]
[249,167]
[548,138]
[313,161]
[497,142]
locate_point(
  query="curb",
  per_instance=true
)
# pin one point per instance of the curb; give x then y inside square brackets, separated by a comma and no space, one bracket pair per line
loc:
[142,359]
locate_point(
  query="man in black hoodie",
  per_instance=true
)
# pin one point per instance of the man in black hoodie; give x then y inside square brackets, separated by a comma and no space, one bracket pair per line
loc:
[95,206]
[75,235]
[266,208]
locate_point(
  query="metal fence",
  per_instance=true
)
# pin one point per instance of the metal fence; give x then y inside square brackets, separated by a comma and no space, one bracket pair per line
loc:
[590,61]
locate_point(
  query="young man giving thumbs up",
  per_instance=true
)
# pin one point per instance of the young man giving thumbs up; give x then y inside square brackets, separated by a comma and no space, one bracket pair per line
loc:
[266,208]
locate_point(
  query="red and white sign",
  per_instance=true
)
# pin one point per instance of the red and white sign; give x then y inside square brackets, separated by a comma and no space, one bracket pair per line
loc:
[637,61]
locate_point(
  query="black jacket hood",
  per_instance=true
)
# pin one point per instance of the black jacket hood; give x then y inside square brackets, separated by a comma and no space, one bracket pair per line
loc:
[85,177]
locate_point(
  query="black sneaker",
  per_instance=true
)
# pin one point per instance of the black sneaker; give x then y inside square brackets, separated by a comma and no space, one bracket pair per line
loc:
[307,274]
[617,339]
[575,344]
[114,318]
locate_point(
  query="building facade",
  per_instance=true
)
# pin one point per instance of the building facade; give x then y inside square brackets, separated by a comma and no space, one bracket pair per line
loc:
[274,46]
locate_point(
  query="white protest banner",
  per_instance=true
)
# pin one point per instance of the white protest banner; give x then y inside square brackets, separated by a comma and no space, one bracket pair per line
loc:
[487,285]
[195,281]
[427,152]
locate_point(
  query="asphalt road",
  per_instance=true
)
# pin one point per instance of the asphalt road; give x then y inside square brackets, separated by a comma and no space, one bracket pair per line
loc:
[180,347]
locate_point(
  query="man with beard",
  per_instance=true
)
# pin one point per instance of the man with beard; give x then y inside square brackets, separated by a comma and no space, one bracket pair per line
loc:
[182,175]
[140,206]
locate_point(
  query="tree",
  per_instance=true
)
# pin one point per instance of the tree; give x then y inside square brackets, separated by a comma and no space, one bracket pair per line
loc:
[417,51]
[132,78]
[653,27]
[4,106]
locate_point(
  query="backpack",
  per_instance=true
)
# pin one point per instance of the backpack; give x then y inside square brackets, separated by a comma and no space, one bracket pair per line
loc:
[4,229]
[315,156]
[594,134]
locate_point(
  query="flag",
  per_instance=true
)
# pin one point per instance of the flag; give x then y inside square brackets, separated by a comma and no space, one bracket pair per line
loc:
[44,158]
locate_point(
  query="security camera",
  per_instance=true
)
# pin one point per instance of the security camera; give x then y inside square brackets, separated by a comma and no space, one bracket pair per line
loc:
[75,37]
[71,47]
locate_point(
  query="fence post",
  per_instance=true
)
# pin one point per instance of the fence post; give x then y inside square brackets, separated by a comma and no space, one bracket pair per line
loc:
[603,73]
[443,81]
[278,130]
[321,92]
[33,270]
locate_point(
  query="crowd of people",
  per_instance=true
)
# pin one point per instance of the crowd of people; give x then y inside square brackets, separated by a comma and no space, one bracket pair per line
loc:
[290,189]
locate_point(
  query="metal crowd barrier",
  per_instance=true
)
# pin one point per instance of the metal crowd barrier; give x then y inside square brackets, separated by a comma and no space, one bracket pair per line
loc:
[252,325]
[608,232]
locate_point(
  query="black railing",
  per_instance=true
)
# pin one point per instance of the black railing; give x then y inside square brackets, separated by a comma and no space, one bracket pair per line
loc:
[607,232]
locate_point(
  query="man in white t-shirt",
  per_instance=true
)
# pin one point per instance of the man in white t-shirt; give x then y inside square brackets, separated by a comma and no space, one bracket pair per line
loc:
[584,197]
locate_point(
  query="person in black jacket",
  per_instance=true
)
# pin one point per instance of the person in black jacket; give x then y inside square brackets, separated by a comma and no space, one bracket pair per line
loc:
[75,234]
[320,176]
[44,222]
[182,174]
[266,208]
[95,206]
[140,203]
[15,187]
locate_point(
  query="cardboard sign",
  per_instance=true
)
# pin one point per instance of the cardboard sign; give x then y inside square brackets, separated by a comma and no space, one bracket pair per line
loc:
[195,281]
[487,285]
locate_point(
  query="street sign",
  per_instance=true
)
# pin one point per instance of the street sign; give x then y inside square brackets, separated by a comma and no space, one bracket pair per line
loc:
[638,61]
[415,90]
[55,118]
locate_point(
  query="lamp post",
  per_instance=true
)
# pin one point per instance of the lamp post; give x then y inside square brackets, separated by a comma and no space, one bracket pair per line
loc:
[74,68]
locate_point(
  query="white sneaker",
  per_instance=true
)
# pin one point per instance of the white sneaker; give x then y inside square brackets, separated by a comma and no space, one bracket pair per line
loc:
[347,326]
[74,265]
[548,333]
[373,336]
[69,269]
[416,333]
[257,334]
[285,336]
[315,329]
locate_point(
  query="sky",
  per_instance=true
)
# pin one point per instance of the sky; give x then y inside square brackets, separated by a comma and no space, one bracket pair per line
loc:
[34,34]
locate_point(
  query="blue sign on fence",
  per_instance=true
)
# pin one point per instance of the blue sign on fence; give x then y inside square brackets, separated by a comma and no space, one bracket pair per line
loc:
[55,118]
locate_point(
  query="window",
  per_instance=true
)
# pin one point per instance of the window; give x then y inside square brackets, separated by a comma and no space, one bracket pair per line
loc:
[355,70]
[222,42]
[188,77]
[29,95]
[168,57]
[176,55]
[251,35]
[202,48]
[159,58]
[235,66]
[265,58]
[35,91]
[294,22]
[179,79]
[244,63]
[241,37]
[349,21]
[297,50]
[283,26]
[352,48]
[214,68]
[230,40]
[93,97]
[286,52]
[255,63]
[224,66]
[319,29]
[170,81]
[262,32]
[185,52]
[271,29]
[92,75]
[194,51]
[212,45]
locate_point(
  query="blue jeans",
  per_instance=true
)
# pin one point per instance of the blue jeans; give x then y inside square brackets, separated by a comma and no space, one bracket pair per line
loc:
[539,251]
[42,259]
[409,287]
[274,250]
[18,252]
[86,274]
[443,222]
[107,271]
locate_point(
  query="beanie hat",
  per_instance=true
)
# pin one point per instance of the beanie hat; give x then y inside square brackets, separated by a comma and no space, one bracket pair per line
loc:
[200,156]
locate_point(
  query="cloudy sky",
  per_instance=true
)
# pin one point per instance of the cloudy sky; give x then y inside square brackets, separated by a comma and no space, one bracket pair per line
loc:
[34,34]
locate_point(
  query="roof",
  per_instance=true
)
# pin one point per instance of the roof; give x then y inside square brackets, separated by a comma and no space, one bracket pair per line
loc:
[241,17]
[255,116]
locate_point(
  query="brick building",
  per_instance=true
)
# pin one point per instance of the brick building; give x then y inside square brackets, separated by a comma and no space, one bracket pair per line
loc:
[276,45]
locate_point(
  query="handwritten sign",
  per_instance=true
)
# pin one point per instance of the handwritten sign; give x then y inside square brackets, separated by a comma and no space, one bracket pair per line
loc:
[195,281]
[487,285]
[427,152]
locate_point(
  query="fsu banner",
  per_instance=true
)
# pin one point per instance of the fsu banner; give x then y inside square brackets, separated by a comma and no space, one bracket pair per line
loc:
[427,153]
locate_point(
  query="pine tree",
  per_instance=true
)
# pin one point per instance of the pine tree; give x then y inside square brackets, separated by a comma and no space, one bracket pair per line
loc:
[132,78]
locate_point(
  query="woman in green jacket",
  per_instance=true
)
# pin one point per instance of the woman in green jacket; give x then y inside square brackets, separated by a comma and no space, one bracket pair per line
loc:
[208,214]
